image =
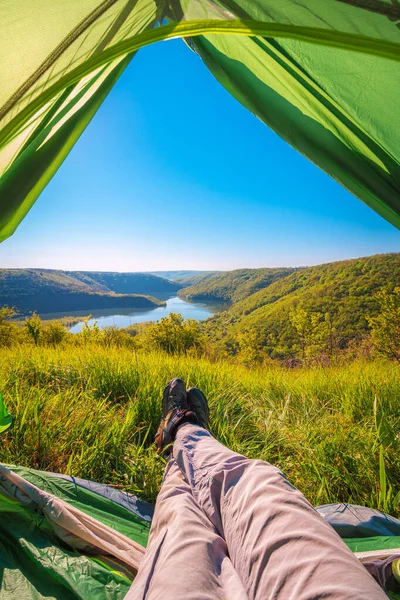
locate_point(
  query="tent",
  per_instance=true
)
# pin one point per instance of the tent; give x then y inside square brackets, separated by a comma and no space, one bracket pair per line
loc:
[67,538]
[324,75]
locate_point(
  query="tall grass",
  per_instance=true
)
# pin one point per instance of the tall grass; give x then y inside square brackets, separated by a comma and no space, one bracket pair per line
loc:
[93,412]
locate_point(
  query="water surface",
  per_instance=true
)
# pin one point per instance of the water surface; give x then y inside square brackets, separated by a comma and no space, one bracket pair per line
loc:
[114,317]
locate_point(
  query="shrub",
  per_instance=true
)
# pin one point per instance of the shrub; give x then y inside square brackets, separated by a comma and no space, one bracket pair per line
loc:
[34,328]
[9,332]
[54,333]
[174,335]
[385,328]
[112,336]
[89,333]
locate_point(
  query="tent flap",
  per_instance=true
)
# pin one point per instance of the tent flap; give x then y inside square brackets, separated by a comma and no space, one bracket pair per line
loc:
[61,539]
[324,75]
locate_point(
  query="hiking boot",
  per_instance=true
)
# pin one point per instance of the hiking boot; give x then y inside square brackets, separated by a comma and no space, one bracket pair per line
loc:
[175,412]
[198,404]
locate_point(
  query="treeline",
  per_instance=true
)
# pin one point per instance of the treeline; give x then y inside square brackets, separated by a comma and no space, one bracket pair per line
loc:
[315,339]
[35,331]
[320,314]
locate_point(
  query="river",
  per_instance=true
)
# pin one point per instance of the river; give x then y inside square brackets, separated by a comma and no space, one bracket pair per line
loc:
[129,316]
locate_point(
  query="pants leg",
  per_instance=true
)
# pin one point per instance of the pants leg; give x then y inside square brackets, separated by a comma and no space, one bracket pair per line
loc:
[278,544]
[185,558]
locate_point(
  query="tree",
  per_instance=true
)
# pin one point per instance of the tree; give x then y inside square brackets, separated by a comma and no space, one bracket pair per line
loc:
[385,327]
[112,336]
[8,331]
[174,335]
[6,313]
[34,328]
[250,348]
[54,333]
[310,331]
[89,333]
[332,336]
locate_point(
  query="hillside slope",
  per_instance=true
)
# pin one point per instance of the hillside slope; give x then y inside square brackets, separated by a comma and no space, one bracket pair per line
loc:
[47,290]
[233,286]
[195,278]
[342,293]
[131,283]
[184,278]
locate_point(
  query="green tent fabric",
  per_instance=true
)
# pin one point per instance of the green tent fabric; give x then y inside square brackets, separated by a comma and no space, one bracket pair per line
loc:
[36,563]
[324,75]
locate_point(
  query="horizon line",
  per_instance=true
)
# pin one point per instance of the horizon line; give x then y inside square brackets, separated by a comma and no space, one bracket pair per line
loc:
[152,271]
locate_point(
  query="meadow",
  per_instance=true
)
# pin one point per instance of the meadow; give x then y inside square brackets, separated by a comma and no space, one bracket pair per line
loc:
[92,411]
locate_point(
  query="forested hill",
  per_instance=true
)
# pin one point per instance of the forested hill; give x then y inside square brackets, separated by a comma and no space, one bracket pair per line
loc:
[132,283]
[333,300]
[232,286]
[46,290]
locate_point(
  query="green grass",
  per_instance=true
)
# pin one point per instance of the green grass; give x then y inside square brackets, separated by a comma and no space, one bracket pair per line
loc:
[93,412]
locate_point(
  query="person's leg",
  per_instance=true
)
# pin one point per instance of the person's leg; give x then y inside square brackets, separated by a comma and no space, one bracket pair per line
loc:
[185,558]
[278,544]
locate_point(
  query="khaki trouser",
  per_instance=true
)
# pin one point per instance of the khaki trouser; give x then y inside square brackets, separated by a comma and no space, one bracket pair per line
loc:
[226,527]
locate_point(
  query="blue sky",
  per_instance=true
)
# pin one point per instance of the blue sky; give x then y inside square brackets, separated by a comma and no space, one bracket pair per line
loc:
[173,173]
